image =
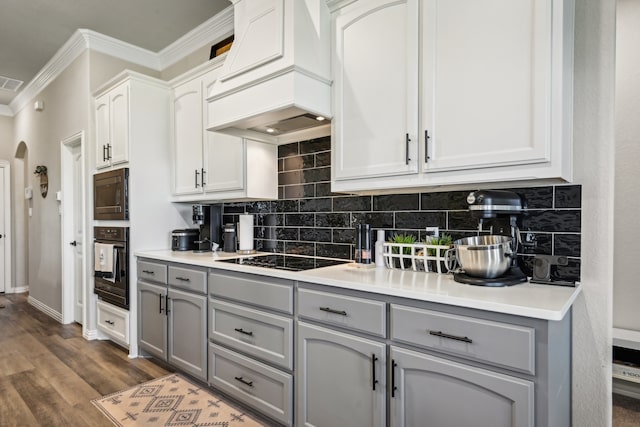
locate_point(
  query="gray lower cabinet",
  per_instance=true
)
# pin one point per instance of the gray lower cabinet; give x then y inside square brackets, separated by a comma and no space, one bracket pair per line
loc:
[431,391]
[172,315]
[340,379]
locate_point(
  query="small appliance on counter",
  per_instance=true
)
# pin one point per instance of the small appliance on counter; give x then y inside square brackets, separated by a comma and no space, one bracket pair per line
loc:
[245,234]
[229,243]
[185,239]
[209,220]
[491,260]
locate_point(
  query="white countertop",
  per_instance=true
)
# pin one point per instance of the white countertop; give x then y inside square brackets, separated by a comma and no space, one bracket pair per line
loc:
[530,300]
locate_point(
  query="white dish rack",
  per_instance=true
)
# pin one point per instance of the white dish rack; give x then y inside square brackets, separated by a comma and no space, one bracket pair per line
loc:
[415,256]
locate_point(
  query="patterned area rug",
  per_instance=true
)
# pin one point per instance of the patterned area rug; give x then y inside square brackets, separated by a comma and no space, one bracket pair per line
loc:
[171,401]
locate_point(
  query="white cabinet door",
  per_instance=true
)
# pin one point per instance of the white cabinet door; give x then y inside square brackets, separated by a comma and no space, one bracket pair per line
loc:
[340,379]
[223,155]
[431,391]
[119,117]
[187,137]
[102,131]
[486,83]
[376,95]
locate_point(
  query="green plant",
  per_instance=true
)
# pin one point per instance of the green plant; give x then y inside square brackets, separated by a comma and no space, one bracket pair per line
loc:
[404,239]
[444,240]
[40,170]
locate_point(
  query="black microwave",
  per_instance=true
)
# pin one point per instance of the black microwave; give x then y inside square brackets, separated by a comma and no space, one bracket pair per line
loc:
[111,195]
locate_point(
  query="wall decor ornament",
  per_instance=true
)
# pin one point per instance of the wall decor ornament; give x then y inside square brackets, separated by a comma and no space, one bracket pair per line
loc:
[41,171]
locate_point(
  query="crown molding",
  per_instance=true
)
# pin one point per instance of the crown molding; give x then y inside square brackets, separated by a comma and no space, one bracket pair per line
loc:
[216,28]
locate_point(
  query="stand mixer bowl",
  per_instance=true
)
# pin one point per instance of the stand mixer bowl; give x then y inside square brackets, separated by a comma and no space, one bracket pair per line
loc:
[484,256]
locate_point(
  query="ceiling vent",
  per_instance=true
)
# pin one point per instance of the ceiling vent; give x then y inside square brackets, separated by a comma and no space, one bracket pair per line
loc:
[10,84]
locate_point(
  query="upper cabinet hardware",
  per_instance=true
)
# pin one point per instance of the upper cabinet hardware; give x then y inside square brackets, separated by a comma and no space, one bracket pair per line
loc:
[108,151]
[451,337]
[104,153]
[74,243]
[197,173]
[330,310]
[242,331]
[407,141]
[426,146]
[373,370]
[202,172]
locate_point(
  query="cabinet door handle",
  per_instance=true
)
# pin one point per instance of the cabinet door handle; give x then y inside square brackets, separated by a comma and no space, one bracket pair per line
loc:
[183,279]
[160,297]
[426,146]
[197,173]
[104,153]
[373,370]
[166,305]
[330,310]
[108,151]
[243,381]
[242,331]
[110,322]
[148,272]
[202,172]
[451,337]
[407,141]
[393,378]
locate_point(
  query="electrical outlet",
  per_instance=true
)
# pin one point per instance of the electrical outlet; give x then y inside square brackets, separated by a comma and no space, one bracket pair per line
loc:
[433,231]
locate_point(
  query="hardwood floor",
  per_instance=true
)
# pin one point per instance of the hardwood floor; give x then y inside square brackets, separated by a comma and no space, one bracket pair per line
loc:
[49,374]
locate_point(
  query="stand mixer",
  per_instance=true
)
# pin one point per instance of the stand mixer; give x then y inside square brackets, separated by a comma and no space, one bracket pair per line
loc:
[498,212]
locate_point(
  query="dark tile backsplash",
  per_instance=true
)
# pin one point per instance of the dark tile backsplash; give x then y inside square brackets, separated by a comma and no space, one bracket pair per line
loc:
[309,219]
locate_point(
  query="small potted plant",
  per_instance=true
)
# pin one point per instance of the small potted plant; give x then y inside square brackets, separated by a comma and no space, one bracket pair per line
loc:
[444,240]
[404,239]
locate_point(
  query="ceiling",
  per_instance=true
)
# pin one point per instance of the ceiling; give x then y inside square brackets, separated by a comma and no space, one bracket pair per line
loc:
[32,31]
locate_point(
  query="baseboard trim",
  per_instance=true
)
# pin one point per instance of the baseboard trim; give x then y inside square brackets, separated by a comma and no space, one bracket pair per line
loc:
[18,290]
[45,309]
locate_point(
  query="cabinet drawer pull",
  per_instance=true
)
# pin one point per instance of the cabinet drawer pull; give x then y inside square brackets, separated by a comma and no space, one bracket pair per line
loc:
[407,141]
[183,279]
[243,381]
[426,146]
[451,337]
[148,272]
[373,370]
[242,331]
[393,378]
[330,310]
[109,322]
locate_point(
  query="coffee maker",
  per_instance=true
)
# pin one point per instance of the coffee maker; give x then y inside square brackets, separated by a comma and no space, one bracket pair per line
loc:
[498,212]
[209,219]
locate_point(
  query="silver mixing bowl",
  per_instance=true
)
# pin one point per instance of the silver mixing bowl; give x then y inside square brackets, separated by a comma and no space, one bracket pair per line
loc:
[484,256]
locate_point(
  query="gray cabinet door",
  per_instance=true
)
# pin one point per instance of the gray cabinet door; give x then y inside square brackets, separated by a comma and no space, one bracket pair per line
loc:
[335,376]
[433,392]
[152,325]
[187,349]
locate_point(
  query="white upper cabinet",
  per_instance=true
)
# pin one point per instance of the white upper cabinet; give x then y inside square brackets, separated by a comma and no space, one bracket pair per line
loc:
[112,127]
[210,166]
[375,127]
[489,85]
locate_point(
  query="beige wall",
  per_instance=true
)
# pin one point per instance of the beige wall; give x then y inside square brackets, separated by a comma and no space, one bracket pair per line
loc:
[65,113]
[6,138]
[103,68]
[192,60]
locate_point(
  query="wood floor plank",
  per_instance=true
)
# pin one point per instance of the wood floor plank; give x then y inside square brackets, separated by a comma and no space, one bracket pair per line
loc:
[49,373]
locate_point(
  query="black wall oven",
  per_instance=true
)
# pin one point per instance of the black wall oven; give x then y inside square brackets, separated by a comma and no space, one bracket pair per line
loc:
[111,264]
[111,195]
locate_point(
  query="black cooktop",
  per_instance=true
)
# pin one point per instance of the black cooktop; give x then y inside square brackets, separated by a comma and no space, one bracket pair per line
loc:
[285,262]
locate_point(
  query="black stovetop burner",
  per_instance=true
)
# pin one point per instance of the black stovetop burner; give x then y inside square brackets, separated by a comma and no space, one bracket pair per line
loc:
[510,278]
[285,262]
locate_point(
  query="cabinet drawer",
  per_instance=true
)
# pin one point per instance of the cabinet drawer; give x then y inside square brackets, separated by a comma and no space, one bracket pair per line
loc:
[496,343]
[113,321]
[260,334]
[252,289]
[188,278]
[152,271]
[348,312]
[262,387]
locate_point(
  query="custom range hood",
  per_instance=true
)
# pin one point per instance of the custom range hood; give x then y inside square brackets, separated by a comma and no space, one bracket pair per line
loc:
[274,85]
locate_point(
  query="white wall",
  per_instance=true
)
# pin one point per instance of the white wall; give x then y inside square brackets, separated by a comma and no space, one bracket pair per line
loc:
[593,162]
[626,289]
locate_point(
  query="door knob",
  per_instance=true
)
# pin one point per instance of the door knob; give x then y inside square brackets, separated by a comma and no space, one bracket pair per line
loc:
[74,243]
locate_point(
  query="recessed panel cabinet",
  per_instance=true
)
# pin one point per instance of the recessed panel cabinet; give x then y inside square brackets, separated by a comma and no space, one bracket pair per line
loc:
[211,165]
[494,101]
[112,127]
